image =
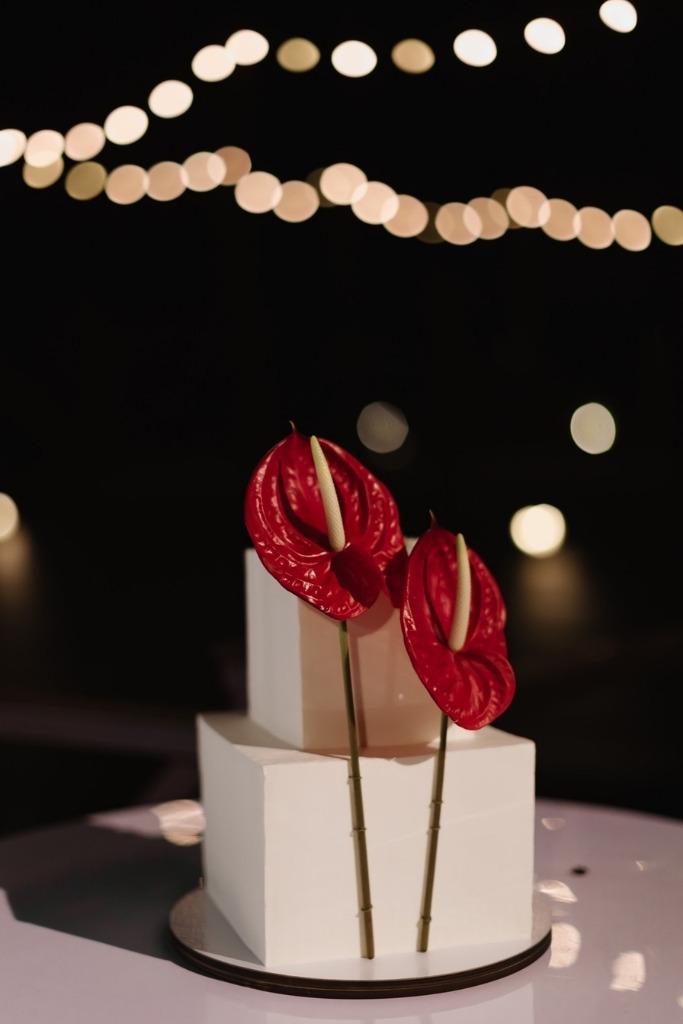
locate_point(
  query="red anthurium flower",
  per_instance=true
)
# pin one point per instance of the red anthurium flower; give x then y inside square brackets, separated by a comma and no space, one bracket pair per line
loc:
[472,685]
[286,521]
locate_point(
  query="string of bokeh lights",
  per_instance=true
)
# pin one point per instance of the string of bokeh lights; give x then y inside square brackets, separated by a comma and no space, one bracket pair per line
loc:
[404,216]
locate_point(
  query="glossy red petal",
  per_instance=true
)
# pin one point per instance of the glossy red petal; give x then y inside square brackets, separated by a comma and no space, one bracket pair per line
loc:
[285,519]
[476,684]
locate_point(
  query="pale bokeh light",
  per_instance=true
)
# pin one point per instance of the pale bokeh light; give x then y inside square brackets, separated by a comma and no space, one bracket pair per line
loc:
[593,428]
[43,177]
[545,35]
[354,59]
[342,183]
[632,230]
[166,180]
[84,141]
[667,224]
[619,15]
[413,56]
[237,163]
[170,99]
[298,55]
[558,220]
[258,192]
[86,180]
[377,204]
[566,945]
[538,530]
[298,202]
[125,125]
[594,227]
[213,63]
[126,184]
[410,219]
[44,148]
[475,48]
[12,146]
[382,427]
[628,972]
[493,217]
[9,517]
[247,47]
[458,223]
[181,822]
[204,171]
[527,206]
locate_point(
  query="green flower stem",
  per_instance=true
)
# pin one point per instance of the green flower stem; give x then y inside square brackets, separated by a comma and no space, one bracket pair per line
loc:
[357,814]
[433,838]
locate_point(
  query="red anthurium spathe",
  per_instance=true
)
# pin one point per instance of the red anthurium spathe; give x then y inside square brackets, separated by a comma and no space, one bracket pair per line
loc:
[286,521]
[474,684]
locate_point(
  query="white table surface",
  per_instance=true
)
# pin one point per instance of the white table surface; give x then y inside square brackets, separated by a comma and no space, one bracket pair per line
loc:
[83,939]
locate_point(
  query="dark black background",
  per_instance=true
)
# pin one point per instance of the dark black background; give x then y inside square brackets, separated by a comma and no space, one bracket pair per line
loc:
[151,354]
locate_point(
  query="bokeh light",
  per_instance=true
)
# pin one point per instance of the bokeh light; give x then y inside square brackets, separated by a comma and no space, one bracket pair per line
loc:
[558,220]
[475,48]
[538,530]
[297,55]
[632,230]
[667,224]
[166,180]
[298,202]
[12,146]
[594,227]
[545,35]
[413,56]
[237,163]
[213,63]
[410,218]
[126,184]
[42,177]
[527,206]
[593,428]
[458,223]
[44,148]
[354,59]
[382,427]
[84,141]
[85,180]
[494,219]
[376,204]
[170,99]
[258,192]
[247,47]
[342,183]
[619,15]
[9,517]
[204,170]
[125,125]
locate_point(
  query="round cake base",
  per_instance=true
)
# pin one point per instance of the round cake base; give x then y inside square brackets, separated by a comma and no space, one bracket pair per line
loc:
[206,939]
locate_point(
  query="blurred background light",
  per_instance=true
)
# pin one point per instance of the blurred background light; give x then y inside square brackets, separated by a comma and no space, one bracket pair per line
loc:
[12,146]
[558,220]
[84,141]
[9,517]
[342,183]
[494,219]
[258,192]
[247,47]
[594,227]
[619,15]
[410,218]
[354,59]
[125,125]
[632,230]
[376,204]
[413,56]
[126,184]
[170,99]
[298,202]
[545,35]
[204,171]
[538,530]
[86,180]
[458,223]
[667,224]
[297,55]
[593,428]
[43,177]
[237,163]
[44,148]
[527,206]
[213,63]
[166,180]
[382,427]
[475,48]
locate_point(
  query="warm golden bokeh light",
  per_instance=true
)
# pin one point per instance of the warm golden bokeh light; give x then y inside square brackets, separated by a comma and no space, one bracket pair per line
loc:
[632,230]
[84,141]
[204,171]
[545,35]
[458,223]
[558,220]
[237,163]
[166,180]
[170,99]
[43,177]
[527,206]
[377,204]
[258,192]
[9,517]
[475,48]
[538,530]
[594,227]
[12,146]
[247,47]
[354,59]
[126,184]
[494,219]
[126,125]
[619,15]
[85,180]
[410,219]
[382,427]
[298,202]
[413,56]
[213,63]
[667,224]
[297,55]
[342,183]
[593,428]
[430,235]
[44,148]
